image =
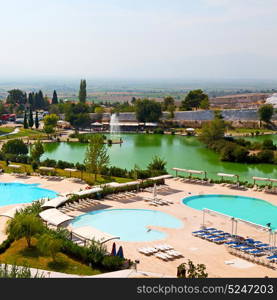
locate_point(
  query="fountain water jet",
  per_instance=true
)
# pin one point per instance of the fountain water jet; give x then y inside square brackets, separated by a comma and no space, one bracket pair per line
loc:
[114,124]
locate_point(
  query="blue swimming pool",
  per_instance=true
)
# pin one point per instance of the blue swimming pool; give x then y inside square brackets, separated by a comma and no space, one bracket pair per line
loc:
[250,209]
[128,224]
[18,193]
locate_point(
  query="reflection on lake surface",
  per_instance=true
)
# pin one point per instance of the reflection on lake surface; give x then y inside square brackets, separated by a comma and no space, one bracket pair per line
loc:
[178,151]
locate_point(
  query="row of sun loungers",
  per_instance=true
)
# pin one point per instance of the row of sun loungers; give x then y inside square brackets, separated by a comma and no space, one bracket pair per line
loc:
[159,188]
[157,201]
[212,235]
[120,196]
[194,181]
[269,261]
[164,252]
[271,191]
[78,205]
[249,249]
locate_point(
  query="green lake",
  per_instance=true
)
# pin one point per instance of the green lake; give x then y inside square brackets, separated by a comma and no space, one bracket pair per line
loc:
[178,151]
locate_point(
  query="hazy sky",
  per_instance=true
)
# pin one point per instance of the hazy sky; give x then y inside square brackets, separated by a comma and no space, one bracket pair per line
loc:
[138,38]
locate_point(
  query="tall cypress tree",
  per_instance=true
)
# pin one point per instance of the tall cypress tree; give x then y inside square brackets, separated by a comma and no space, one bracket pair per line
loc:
[36,121]
[25,124]
[55,98]
[40,100]
[31,119]
[83,91]
[31,99]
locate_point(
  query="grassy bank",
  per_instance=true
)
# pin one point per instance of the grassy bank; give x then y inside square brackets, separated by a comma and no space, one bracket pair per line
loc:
[19,254]
[28,133]
[88,177]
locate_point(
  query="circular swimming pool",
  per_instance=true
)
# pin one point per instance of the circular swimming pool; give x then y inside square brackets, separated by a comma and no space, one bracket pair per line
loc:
[18,193]
[128,224]
[250,209]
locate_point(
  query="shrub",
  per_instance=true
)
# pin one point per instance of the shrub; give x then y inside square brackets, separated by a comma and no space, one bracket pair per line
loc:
[49,163]
[17,272]
[112,263]
[64,164]
[266,156]
[6,244]
[158,131]
[241,154]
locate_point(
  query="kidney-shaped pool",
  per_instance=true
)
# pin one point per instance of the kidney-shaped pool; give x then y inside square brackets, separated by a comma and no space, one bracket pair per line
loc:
[128,224]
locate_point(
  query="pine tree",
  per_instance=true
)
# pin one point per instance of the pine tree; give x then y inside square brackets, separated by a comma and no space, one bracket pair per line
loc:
[36,121]
[83,91]
[25,120]
[31,119]
[55,98]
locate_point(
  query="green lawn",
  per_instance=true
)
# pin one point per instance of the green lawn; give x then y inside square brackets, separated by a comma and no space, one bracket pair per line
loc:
[30,133]
[19,254]
[5,130]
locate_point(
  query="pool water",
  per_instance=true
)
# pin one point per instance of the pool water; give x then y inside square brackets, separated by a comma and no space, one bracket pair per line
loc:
[128,224]
[250,209]
[18,193]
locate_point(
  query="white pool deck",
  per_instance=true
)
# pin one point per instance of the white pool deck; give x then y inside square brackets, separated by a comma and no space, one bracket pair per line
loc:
[219,262]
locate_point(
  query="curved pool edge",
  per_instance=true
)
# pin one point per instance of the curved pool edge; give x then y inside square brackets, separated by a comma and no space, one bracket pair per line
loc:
[160,229]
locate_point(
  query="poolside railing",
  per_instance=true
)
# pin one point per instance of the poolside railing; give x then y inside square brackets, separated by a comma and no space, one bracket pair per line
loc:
[257,226]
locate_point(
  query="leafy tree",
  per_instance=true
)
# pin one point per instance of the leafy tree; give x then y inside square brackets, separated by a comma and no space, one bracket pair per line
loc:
[266,112]
[148,110]
[36,121]
[25,122]
[96,156]
[48,129]
[157,165]
[31,119]
[16,96]
[49,245]
[51,120]
[171,109]
[81,120]
[55,98]
[25,226]
[168,102]
[204,104]
[15,146]
[37,151]
[194,99]
[190,270]
[83,91]
[213,131]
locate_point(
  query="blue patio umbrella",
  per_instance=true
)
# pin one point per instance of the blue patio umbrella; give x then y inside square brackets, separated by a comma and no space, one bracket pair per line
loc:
[113,250]
[120,252]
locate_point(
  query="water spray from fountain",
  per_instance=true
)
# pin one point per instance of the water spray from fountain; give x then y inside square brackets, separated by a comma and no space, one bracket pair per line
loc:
[114,125]
[115,128]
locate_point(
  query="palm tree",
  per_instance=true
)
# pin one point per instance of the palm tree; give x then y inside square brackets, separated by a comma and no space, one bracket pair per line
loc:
[49,244]
[25,226]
